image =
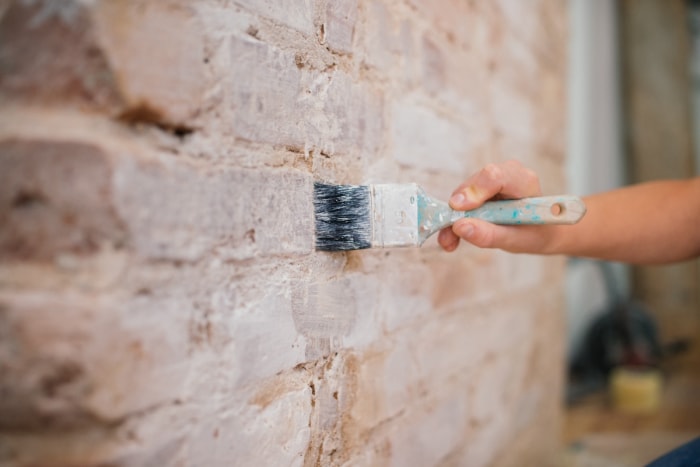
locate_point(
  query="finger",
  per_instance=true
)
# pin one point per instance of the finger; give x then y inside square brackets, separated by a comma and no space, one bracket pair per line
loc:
[516,239]
[448,240]
[479,233]
[507,180]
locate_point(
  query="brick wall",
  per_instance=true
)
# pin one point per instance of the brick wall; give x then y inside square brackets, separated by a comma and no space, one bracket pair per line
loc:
[161,302]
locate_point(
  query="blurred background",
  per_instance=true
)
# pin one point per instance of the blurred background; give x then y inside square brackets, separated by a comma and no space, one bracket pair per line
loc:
[634,115]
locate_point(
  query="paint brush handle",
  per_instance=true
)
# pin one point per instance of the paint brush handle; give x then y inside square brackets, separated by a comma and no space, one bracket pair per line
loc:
[564,209]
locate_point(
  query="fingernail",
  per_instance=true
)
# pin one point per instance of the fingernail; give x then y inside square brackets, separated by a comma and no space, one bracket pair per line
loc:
[457,199]
[473,193]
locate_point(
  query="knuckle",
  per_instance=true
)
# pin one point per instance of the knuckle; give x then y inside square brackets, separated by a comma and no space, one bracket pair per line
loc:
[530,175]
[487,238]
[533,181]
[493,171]
[515,164]
[462,188]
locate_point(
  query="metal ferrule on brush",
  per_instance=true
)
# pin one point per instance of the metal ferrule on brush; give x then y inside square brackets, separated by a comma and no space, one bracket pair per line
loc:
[404,215]
[394,209]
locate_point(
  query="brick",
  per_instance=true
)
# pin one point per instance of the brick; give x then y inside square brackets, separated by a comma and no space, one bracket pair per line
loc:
[70,360]
[434,78]
[294,14]
[353,117]
[518,19]
[427,140]
[55,197]
[379,22]
[276,434]
[428,437]
[454,77]
[522,272]
[456,349]
[340,25]
[156,51]
[265,93]
[143,62]
[72,197]
[490,393]
[251,332]
[404,294]
[409,49]
[452,18]
[335,314]
[177,211]
[514,112]
[487,442]
[39,40]
[276,101]
[137,441]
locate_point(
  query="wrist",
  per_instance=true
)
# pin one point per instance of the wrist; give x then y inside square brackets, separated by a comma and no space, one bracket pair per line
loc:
[554,239]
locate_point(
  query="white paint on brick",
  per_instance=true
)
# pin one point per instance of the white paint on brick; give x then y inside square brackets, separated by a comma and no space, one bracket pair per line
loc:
[522,271]
[278,435]
[107,360]
[513,112]
[399,377]
[340,24]
[241,434]
[399,304]
[379,39]
[296,14]
[134,38]
[355,122]
[276,102]
[137,366]
[453,349]
[178,211]
[206,329]
[425,139]
[366,327]
[265,85]
[518,19]
[490,389]
[490,440]
[265,334]
[434,66]
[433,435]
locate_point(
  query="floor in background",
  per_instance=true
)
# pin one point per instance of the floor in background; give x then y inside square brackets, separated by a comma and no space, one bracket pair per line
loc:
[597,436]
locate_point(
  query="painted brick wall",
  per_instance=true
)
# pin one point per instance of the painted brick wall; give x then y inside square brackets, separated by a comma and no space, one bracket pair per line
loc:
[161,302]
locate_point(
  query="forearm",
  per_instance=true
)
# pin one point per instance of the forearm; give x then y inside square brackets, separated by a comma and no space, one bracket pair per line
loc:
[651,223]
[656,222]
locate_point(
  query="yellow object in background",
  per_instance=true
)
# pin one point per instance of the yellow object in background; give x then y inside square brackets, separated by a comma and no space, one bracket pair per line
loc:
[636,390]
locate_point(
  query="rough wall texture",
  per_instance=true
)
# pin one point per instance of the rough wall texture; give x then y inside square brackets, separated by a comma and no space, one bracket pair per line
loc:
[161,302]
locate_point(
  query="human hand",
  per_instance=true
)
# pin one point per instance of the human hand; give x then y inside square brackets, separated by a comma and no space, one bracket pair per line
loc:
[508,180]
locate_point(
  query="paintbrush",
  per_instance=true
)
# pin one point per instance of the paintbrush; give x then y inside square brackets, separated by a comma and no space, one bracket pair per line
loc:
[353,217]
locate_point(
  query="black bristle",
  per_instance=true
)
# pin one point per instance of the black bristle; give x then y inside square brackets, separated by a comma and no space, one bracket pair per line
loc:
[343,220]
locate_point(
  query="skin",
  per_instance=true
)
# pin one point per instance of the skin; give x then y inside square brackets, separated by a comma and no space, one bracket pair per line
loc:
[650,223]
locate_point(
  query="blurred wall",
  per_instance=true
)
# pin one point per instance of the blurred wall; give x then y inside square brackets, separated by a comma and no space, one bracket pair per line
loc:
[595,157]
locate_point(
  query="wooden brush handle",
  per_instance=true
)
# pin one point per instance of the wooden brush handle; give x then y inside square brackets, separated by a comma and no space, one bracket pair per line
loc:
[562,209]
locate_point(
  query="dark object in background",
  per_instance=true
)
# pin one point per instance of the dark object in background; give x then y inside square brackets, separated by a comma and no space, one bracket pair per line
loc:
[625,334]
[688,455]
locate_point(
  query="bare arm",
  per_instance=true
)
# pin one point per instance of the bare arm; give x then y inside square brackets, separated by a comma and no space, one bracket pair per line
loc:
[651,223]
